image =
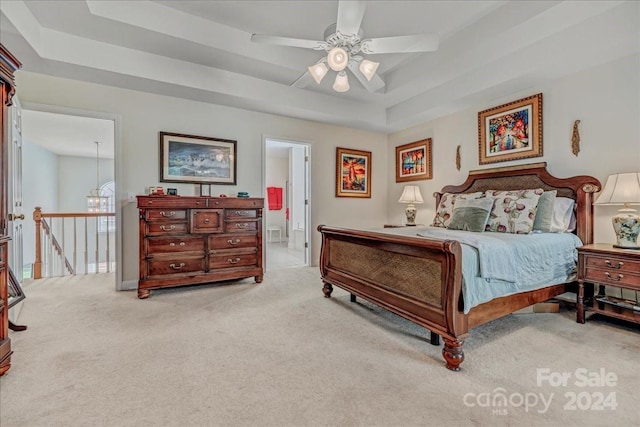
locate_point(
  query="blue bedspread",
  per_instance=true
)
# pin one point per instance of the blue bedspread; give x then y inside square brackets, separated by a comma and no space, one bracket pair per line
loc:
[500,264]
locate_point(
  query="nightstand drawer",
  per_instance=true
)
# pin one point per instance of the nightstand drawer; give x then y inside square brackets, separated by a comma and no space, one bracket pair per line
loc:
[613,277]
[613,264]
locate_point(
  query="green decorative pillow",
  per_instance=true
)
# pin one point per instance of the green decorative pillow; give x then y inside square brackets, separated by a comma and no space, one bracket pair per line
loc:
[513,211]
[445,208]
[544,213]
[471,215]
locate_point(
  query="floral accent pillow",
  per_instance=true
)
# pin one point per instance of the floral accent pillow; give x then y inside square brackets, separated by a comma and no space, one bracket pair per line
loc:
[445,207]
[513,211]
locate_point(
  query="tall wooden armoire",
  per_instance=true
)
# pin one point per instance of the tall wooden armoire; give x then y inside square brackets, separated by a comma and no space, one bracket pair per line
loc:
[8,65]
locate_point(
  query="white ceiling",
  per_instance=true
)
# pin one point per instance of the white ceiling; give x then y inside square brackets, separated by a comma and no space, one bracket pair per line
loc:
[202,50]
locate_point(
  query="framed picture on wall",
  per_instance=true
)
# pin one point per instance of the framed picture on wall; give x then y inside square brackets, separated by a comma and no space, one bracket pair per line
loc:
[511,131]
[353,173]
[413,161]
[197,159]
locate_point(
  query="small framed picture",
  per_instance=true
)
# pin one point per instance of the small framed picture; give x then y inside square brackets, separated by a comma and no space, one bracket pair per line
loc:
[172,191]
[205,190]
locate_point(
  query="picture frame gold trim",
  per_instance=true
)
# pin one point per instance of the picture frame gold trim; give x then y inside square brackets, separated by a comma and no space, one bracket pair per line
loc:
[414,161]
[353,173]
[511,131]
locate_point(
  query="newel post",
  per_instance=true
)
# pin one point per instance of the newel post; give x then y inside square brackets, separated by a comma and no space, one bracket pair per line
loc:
[37,265]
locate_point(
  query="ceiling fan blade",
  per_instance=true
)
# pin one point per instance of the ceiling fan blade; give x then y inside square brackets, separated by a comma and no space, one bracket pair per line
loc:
[302,81]
[374,85]
[350,14]
[401,44]
[288,41]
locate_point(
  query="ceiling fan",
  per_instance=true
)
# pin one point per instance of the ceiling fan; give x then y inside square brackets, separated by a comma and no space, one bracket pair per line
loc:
[344,44]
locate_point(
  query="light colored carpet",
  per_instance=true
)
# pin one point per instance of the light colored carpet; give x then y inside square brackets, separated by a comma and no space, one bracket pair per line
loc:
[280,354]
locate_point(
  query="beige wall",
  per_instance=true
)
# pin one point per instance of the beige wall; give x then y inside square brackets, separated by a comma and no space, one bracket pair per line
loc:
[607,101]
[143,115]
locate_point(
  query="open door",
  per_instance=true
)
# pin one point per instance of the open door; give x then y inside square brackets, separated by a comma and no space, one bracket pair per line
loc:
[16,214]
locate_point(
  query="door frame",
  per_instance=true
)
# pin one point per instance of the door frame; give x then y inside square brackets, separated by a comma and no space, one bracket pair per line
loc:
[117,157]
[308,175]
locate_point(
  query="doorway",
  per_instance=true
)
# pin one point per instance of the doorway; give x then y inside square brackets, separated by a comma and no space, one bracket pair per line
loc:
[287,210]
[69,156]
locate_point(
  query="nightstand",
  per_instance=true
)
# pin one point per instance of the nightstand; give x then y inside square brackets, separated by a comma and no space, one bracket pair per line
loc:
[602,264]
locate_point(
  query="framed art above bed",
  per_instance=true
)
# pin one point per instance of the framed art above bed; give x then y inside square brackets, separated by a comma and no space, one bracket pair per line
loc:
[511,131]
[413,161]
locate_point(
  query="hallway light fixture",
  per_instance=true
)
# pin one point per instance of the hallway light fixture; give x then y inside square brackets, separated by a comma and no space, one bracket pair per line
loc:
[96,202]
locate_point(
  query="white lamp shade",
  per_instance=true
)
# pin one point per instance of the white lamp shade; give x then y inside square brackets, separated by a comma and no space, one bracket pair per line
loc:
[318,71]
[620,189]
[338,58]
[411,194]
[368,68]
[342,82]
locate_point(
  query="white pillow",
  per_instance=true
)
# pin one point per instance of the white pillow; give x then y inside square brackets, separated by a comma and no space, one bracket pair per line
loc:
[562,213]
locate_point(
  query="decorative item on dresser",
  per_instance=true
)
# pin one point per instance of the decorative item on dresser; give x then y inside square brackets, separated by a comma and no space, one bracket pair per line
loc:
[192,240]
[8,65]
[604,264]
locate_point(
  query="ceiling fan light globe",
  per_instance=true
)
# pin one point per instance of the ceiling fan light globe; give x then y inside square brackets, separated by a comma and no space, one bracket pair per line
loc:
[318,71]
[342,82]
[338,58]
[368,68]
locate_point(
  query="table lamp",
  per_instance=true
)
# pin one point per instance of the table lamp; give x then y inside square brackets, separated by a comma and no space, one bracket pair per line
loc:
[411,194]
[623,189]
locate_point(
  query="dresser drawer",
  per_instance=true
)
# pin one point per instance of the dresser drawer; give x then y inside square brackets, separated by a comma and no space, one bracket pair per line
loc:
[165,245]
[241,213]
[229,242]
[240,226]
[232,260]
[206,220]
[166,228]
[612,264]
[178,265]
[164,214]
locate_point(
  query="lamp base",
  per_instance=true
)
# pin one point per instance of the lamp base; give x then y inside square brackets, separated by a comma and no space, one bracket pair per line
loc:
[411,214]
[626,224]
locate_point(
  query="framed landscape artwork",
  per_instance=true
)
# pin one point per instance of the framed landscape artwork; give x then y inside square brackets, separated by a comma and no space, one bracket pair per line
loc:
[353,173]
[197,159]
[413,161]
[511,131]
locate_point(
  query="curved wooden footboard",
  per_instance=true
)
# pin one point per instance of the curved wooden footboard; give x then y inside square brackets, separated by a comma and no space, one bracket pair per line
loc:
[417,278]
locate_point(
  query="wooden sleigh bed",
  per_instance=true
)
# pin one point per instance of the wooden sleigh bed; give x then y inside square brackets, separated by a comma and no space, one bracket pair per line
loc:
[420,279]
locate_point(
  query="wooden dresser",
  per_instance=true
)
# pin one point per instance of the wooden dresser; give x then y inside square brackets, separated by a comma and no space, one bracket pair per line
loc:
[8,65]
[191,240]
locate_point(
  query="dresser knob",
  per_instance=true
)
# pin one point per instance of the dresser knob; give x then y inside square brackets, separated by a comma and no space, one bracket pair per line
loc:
[177,267]
[167,214]
[242,225]
[620,264]
[206,221]
[233,242]
[615,279]
[233,261]
[165,228]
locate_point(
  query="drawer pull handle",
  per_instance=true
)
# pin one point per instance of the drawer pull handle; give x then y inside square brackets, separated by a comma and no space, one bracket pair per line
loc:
[620,264]
[233,261]
[233,242]
[167,214]
[243,213]
[242,225]
[206,221]
[165,228]
[177,267]
[617,279]
[173,244]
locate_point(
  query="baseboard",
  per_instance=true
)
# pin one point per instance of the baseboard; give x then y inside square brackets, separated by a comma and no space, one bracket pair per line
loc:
[129,285]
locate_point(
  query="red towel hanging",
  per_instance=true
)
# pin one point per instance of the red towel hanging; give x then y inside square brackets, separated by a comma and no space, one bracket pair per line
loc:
[274,198]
